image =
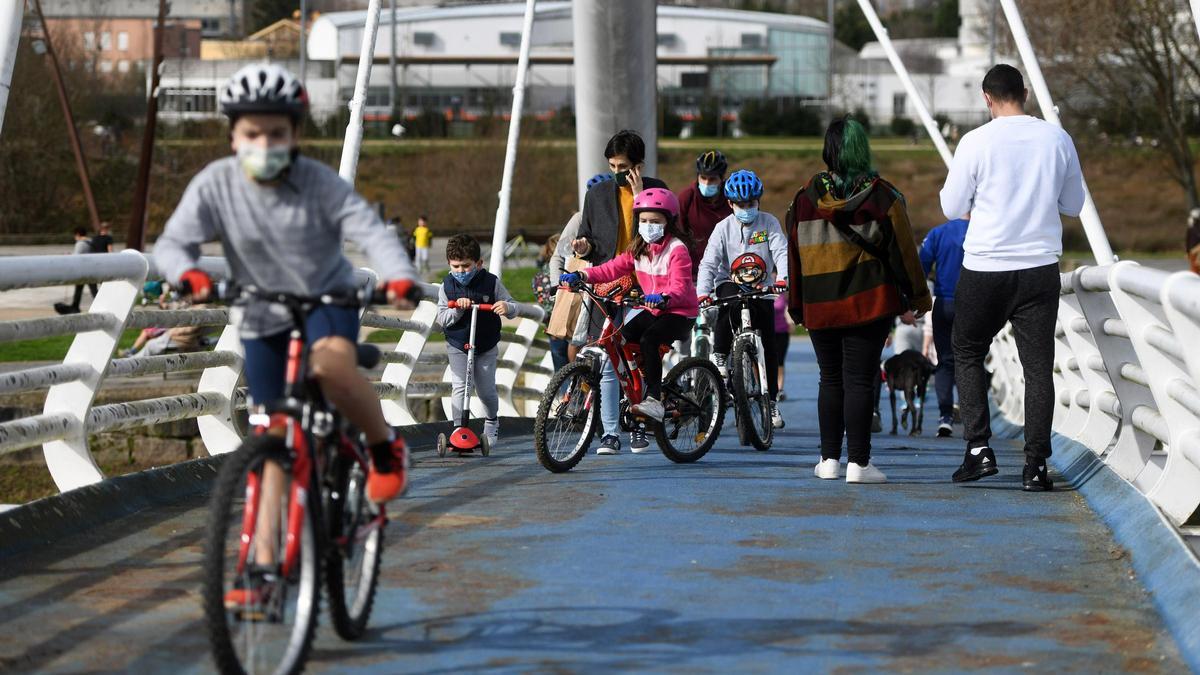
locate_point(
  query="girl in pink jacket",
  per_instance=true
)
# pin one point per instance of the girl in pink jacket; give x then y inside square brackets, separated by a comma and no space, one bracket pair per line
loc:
[659,255]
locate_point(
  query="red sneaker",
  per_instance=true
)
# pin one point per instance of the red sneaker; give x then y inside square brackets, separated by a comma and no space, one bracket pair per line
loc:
[388,476]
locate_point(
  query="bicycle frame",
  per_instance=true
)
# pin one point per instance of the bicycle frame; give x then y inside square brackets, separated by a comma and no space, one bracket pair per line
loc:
[746,330]
[300,422]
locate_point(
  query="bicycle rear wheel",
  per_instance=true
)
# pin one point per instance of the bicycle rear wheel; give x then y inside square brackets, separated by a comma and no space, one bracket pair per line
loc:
[355,551]
[694,399]
[567,417]
[271,634]
[751,403]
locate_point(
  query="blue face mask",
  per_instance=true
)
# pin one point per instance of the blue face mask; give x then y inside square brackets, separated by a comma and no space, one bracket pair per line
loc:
[708,190]
[745,216]
[464,278]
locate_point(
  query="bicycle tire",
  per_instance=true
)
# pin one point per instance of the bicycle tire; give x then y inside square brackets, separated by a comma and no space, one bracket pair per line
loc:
[680,389]
[743,374]
[348,508]
[545,442]
[231,486]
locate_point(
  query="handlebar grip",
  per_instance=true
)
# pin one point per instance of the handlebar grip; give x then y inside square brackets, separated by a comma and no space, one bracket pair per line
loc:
[484,307]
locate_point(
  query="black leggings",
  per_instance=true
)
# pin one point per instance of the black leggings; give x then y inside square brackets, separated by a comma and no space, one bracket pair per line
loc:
[762,318]
[849,363]
[651,332]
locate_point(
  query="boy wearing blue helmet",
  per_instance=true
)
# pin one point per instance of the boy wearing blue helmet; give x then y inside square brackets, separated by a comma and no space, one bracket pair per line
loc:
[746,231]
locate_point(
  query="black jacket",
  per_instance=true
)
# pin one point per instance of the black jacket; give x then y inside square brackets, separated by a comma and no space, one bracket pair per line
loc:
[602,217]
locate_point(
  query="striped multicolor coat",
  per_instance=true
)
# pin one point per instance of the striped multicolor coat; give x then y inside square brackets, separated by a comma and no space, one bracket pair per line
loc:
[835,282]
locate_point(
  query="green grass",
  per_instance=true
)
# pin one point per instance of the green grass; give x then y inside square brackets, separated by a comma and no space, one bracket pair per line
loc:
[51,348]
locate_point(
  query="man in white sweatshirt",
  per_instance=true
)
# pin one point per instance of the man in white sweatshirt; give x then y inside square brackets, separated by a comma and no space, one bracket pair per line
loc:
[1014,175]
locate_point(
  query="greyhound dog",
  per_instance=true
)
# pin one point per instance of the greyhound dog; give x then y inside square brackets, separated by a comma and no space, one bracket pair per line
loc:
[909,373]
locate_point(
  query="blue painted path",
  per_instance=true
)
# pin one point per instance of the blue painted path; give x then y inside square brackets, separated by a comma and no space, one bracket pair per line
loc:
[743,562]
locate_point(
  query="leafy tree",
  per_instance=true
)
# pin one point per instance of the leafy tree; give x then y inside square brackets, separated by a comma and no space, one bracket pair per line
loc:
[946,19]
[263,13]
[850,26]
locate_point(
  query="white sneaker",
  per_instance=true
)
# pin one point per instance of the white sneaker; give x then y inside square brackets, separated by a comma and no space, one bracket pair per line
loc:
[864,474]
[828,469]
[776,416]
[650,407]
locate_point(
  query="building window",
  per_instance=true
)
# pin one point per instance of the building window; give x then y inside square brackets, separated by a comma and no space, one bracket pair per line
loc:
[752,41]
[123,66]
[105,66]
[123,41]
[667,39]
[899,103]
[510,39]
[210,27]
[89,41]
[693,80]
[105,41]
[423,39]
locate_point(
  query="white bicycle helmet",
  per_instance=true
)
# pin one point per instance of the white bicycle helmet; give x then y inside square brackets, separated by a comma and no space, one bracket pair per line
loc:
[263,88]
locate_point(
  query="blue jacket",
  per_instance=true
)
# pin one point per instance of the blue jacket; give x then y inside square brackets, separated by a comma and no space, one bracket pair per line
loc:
[943,249]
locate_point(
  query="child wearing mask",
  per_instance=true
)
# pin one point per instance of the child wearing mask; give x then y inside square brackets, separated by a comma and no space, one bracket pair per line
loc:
[467,284]
[659,255]
[748,230]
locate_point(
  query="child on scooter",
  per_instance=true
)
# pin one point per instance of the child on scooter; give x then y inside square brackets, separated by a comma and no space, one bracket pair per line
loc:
[659,256]
[466,284]
[747,231]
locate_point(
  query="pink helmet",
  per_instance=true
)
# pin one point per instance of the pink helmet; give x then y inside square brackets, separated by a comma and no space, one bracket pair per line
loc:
[656,199]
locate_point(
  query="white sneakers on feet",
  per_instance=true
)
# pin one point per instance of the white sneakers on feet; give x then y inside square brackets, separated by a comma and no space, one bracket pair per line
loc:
[650,407]
[864,474]
[828,469]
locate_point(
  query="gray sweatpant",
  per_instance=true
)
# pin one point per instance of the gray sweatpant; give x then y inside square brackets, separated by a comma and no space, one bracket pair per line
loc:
[483,380]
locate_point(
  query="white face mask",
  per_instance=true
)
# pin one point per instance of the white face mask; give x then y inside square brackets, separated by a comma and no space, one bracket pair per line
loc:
[264,163]
[651,232]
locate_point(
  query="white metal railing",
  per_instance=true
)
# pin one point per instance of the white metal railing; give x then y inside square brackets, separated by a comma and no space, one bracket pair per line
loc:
[1127,377]
[69,413]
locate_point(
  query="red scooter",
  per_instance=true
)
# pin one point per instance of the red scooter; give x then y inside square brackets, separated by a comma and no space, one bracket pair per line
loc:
[462,439]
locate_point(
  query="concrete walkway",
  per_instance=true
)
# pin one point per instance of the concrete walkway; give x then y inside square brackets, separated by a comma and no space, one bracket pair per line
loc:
[742,562]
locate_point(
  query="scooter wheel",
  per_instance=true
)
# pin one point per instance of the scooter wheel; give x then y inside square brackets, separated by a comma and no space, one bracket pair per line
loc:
[485,446]
[441,445]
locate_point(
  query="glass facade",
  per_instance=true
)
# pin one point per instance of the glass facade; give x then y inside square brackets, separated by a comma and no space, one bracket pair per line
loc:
[802,66]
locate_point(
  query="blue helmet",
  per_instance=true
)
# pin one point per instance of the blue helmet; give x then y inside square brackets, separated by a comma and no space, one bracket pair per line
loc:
[597,179]
[743,186]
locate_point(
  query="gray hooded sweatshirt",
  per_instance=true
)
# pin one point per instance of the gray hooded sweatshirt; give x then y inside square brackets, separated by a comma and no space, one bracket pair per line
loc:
[731,239]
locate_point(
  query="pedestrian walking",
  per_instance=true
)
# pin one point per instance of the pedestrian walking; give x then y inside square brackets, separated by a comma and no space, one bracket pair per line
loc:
[607,226]
[942,255]
[850,239]
[783,340]
[422,239]
[1015,175]
[83,246]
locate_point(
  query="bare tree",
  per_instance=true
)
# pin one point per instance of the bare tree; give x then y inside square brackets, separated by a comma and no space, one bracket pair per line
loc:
[1131,65]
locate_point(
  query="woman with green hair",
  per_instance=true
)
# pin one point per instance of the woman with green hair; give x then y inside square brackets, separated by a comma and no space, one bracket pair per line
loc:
[854,268]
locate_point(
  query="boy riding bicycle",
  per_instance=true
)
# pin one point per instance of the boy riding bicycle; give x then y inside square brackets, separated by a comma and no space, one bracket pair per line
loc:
[747,231]
[281,218]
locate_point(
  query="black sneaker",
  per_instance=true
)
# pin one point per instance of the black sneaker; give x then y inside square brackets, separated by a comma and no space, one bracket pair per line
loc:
[609,445]
[638,443]
[945,427]
[64,308]
[976,466]
[1034,477]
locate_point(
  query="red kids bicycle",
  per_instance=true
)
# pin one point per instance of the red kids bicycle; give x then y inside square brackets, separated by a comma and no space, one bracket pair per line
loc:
[291,501]
[693,396]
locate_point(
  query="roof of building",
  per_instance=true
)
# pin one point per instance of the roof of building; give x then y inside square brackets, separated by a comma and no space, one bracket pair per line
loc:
[560,8]
[136,9]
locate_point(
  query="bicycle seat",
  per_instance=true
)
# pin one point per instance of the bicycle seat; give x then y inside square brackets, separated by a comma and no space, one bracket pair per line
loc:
[368,355]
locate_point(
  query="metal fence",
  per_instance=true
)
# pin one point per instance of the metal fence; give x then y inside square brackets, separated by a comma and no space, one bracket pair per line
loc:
[1127,370]
[70,413]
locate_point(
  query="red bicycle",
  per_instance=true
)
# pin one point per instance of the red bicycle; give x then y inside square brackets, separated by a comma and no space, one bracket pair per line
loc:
[693,395]
[290,501]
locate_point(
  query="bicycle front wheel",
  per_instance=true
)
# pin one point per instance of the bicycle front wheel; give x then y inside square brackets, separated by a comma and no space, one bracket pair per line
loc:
[260,619]
[567,417]
[356,549]
[694,399]
[751,402]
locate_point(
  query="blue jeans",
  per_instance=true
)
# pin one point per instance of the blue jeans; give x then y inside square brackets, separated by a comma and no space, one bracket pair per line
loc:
[943,329]
[558,351]
[610,400]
